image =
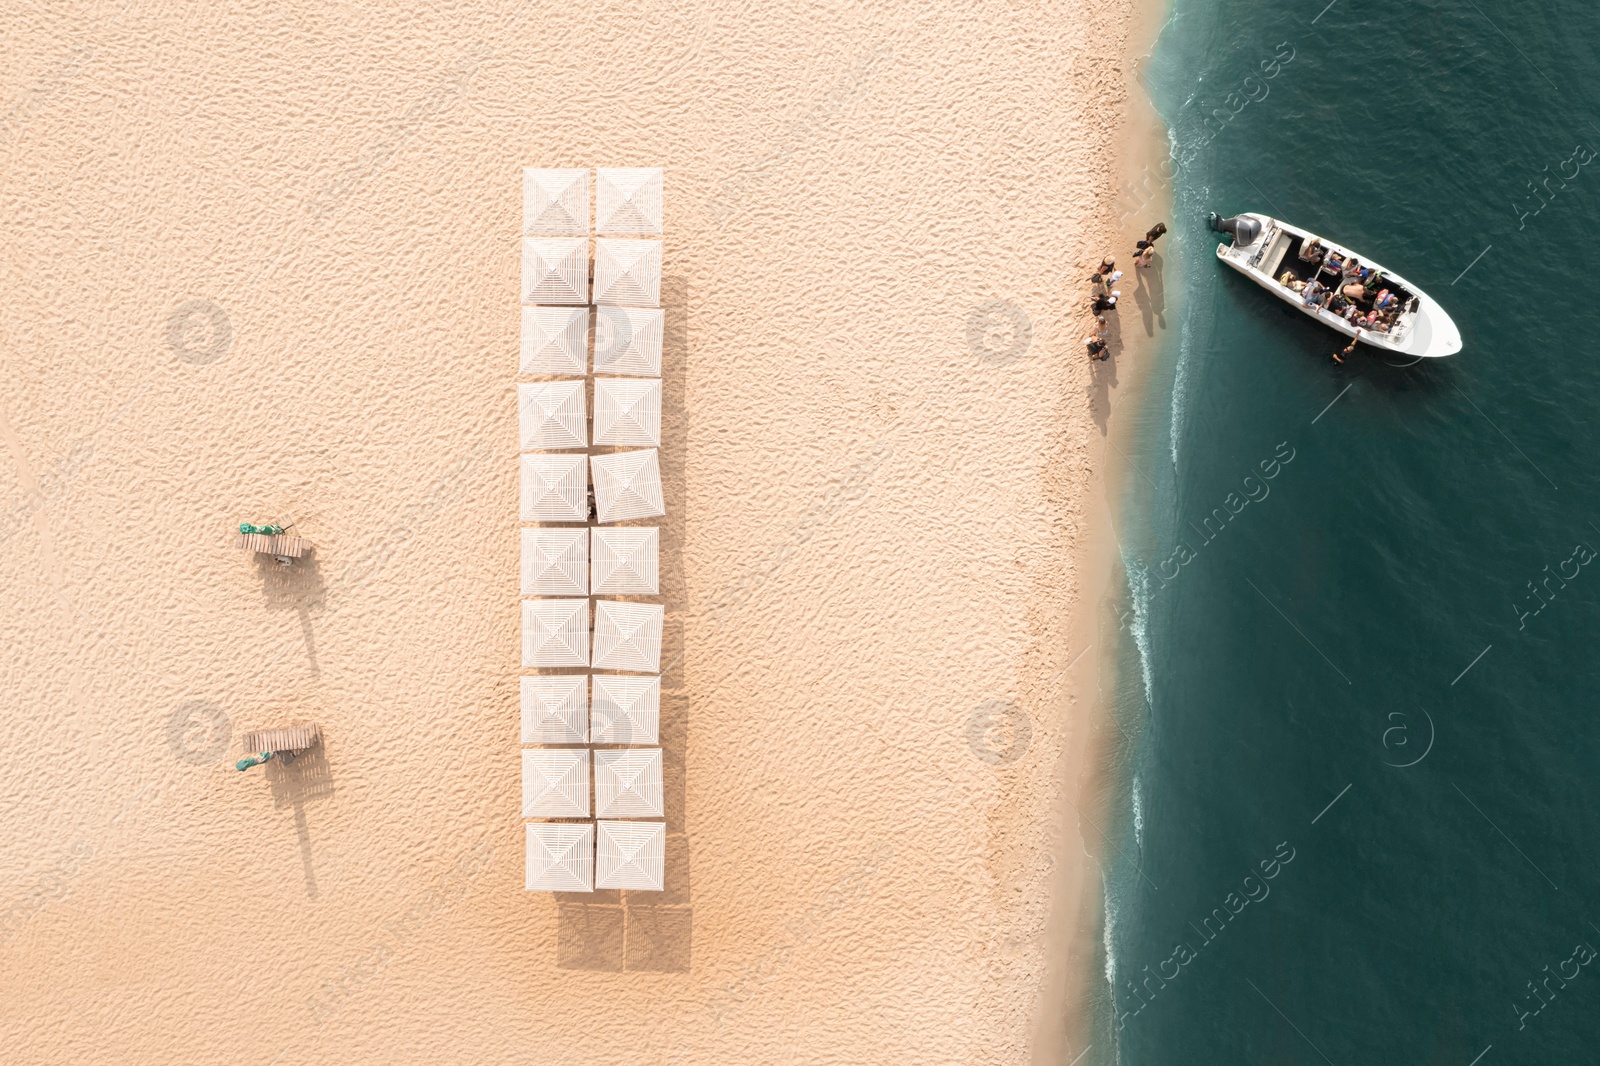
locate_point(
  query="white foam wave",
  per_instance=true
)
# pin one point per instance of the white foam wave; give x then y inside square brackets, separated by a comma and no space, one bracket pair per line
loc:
[1138,818]
[1139,594]
[1108,939]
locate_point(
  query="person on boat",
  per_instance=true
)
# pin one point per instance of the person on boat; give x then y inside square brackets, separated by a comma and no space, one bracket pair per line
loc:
[1371,281]
[1338,304]
[1338,357]
[1286,279]
[1334,263]
[1311,295]
[1354,290]
[1352,266]
[1385,300]
[1312,253]
[1352,315]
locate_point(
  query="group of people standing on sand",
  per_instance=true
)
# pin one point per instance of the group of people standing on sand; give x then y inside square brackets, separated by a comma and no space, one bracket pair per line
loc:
[1103,296]
[1353,292]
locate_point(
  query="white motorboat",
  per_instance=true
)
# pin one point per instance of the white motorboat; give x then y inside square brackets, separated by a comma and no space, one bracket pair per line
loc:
[1269,252]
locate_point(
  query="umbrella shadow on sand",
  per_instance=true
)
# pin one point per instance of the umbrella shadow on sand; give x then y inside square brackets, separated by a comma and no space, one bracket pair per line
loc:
[627,931]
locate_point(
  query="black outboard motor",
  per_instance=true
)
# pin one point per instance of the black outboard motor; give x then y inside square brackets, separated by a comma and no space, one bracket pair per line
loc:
[1244,231]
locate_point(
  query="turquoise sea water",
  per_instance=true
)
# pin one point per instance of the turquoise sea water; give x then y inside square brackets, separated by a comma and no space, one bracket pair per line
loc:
[1358,686]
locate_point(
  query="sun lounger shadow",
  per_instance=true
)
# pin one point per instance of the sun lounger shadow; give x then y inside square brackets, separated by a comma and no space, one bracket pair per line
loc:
[296,781]
[297,588]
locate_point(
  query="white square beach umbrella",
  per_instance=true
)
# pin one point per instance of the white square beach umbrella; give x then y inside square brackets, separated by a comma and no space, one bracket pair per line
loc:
[626,710]
[627,273]
[627,783]
[628,200]
[555,203]
[627,340]
[550,414]
[630,855]
[627,636]
[560,857]
[555,270]
[623,561]
[626,485]
[555,340]
[555,782]
[555,632]
[555,488]
[555,562]
[555,709]
[627,412]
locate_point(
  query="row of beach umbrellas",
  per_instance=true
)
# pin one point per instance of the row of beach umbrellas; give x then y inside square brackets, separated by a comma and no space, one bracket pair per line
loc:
[589,472]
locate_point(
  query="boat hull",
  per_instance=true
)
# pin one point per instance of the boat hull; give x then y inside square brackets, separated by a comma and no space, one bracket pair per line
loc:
[1424,333]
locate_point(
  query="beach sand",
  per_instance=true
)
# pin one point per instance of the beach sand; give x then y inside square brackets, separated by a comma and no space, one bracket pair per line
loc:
[263,264]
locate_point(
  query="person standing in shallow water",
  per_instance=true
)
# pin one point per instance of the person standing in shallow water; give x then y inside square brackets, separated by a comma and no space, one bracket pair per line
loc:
[1338,357]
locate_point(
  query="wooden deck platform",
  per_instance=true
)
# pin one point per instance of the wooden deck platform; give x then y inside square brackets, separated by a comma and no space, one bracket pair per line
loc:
[289,547]
[297,737]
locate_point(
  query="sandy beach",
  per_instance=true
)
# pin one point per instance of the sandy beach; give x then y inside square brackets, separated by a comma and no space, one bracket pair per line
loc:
[263,266]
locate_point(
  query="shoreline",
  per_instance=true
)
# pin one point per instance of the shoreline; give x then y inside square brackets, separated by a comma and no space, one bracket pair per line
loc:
[1065,1021]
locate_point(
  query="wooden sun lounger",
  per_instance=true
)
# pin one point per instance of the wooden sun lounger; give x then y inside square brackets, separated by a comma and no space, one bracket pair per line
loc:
[297,737]
[284,546]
